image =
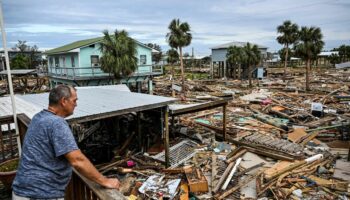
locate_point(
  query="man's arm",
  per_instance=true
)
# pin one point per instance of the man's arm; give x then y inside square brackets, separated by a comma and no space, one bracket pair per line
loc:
[82,164]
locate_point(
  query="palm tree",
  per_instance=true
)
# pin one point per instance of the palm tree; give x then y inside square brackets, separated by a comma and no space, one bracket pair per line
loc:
[235,56]
[178,37]
[309,46]
[118,53]
[252,57]
[289,35]
[173,57]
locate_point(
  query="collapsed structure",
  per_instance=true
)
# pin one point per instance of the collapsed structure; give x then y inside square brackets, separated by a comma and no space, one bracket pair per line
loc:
[225,141]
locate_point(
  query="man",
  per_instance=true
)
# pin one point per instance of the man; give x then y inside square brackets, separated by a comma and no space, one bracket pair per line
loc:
[49,151]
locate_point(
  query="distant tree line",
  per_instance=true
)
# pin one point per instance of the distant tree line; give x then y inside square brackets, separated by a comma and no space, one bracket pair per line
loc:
[26,56]
[343,54]
[306,44]
[249,56]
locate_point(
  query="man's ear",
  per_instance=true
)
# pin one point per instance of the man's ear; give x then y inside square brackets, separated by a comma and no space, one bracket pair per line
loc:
[62,102]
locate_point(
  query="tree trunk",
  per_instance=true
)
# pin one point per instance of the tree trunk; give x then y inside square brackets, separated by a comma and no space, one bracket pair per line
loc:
[285,64]
[307,75]
[250,74]
[172,80]
[182,72]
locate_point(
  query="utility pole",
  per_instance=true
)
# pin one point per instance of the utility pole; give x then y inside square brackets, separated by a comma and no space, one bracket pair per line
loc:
[9,78]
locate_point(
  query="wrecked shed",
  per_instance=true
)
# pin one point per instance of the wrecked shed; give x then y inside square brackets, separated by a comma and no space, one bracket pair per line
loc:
[105,110]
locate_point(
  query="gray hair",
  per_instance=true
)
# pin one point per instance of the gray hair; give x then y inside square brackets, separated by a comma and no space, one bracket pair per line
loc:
[59,92]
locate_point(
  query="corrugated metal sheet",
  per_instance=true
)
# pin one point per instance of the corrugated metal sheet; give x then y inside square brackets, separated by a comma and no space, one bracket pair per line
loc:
[18,71]
[22,107]
[238,44]
[92,101]
[342,65]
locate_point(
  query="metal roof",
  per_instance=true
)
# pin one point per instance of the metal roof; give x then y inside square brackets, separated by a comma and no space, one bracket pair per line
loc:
[18,71]
[93,103]
[342,65]
[237,44]
[328,53]
[82,43]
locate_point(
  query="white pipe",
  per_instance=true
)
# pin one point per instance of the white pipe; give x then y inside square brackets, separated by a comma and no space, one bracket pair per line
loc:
[313,158]
[9,78]
[231,174]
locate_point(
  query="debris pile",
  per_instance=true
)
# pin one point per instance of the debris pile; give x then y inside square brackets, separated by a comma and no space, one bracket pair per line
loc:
[281,143]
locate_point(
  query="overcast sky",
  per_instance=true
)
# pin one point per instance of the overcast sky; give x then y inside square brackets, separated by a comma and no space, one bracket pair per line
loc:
[52,23]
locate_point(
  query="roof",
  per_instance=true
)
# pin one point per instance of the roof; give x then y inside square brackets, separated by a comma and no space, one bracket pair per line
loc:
[93,103]
[74,45]
[237,44]
[18,72]
[81,43]
[342,65]
[328,53]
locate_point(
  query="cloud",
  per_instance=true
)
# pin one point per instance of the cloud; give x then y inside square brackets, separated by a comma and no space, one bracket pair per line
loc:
[52,23]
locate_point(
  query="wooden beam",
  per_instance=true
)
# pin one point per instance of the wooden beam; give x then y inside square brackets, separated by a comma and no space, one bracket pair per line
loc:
[166,137]
[224,121]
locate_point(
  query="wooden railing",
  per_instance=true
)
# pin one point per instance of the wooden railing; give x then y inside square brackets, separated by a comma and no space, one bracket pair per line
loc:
[79,188]
[81,72]
[8,137]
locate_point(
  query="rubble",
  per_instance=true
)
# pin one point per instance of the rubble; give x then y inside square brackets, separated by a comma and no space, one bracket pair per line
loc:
[281,143]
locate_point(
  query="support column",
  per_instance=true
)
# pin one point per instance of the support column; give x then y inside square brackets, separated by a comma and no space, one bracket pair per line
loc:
[212,70]
[224,122]
[225,69]
[139,86]
[166,137]
[139,131]
[150,86]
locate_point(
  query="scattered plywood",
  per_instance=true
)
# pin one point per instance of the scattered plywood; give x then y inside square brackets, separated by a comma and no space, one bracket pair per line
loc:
[276,168]
[296,135]
[342,170]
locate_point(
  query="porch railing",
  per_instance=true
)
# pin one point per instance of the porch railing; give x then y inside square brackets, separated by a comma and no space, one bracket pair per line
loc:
[79,187]
[81,72]
[8,137]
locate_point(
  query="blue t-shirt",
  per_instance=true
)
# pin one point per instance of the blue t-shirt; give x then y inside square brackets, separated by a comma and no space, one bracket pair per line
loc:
[43,171]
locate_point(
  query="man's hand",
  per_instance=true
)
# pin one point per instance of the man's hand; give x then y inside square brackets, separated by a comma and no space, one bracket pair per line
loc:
[111,183]
[79,161]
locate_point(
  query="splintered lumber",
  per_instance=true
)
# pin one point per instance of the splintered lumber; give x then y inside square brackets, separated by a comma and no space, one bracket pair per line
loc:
[294,165]
[309,137]
[213,169]
[223,177]
[296,135]
[331,184]
[196,180]
[236,187]
[106,168]
[234,169]
[235,156]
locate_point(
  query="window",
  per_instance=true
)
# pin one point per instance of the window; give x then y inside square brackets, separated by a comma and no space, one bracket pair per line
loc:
[57,62]
[72,61]
[94,61]
[51,62]
[64,61]
[143,59]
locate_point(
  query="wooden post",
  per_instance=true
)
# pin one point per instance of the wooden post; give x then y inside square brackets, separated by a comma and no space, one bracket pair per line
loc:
[224,122]
[139,131]
[349,153]
[166,137]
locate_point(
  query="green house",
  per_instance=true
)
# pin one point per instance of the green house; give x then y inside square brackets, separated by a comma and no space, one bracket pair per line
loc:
[78,64]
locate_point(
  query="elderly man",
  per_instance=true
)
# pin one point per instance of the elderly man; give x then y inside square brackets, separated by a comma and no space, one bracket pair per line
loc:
[49,151]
